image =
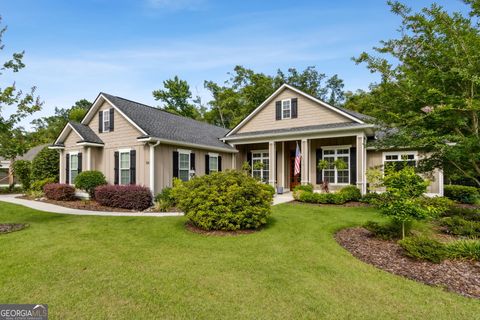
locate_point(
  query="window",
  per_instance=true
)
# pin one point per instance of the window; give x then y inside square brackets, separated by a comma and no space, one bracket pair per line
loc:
[184,166]
[331,173]
[106,120]
[286,109]
[124,167]
[398,160]
[73,167]
[213,163]
[260,165]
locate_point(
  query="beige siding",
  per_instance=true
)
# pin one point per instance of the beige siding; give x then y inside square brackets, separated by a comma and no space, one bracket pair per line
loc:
[309,113]
[71,146]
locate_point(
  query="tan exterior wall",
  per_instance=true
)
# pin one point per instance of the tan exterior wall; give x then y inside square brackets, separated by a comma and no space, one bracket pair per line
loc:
[309,113]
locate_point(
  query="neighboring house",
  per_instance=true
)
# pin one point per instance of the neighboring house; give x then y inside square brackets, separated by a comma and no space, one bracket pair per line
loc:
[6,178]
[123,139]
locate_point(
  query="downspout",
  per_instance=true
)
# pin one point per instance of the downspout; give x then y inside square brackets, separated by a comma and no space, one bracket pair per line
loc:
[152,166]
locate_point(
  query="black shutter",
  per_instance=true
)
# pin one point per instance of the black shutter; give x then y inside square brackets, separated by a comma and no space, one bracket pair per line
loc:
[192,161]
[294,103]
[100,121]
[79,163]
[175,164]
[219,163]
[278,110]
[111,119]
[207,164]
[115,167]
[319,171]
[353,166]
[67,168]
[249,158]
[133,166]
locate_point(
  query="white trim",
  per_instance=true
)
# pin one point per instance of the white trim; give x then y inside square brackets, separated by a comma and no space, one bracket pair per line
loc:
[187,152]
[346,146]
[289,108]
[187,144]
[184,151]
[70,154]
[282,87]
[335,170]
[152,166]
[261,152]
[56,147]
[399,153]
[89,158]
[313,137]
[120,151]
[211,154]
[257,151]
[68,125]
[125,150]
[440,182]
[90,144]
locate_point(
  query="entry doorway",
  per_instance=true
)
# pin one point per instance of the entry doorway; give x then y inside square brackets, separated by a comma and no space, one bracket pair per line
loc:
[294,179]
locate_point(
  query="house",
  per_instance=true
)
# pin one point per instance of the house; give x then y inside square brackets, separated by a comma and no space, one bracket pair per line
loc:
[132,143]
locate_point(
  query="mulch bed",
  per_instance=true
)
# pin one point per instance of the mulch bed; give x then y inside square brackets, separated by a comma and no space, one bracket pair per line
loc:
[460,276]
[90,205]
[190,227]
[347,204]
[11,227]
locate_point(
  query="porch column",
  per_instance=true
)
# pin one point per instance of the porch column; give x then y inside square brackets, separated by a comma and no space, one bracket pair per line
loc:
[234,159]
[304,161]
[271,163]
[282,165]
[61,174]
[361,164]
[89,158]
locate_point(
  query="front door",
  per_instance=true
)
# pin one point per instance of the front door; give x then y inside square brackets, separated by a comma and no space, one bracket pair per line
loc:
[294,179]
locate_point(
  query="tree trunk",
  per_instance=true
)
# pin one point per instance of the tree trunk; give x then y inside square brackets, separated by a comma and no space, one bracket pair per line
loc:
[403,230]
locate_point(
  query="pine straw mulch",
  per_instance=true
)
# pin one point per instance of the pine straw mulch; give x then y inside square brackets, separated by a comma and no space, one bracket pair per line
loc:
[459,276]
[190,227]
[11,227]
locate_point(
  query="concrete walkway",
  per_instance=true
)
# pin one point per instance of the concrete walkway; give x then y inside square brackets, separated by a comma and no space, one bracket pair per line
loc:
[48,207]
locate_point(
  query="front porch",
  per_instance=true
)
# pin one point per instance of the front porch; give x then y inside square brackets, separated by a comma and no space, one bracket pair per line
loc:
[277,158]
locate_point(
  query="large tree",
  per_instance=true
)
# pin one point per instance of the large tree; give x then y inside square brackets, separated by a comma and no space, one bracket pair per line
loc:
[429,88]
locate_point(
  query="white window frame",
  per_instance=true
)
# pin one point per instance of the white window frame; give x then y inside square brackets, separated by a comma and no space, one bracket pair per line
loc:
[261,158]
[211,156]
[399,155]
[184,152]
[120,169]
[106,112]
[75,153]
[285,108]
[335,156]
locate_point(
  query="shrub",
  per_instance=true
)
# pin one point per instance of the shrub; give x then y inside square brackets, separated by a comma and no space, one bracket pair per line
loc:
[463,194]
[386,231]
[89,180]
[322,198]
[59,191]
[124,196]
[23,171]
[460,227]
[46,165]
[270,188]
[10,190]
[39,184]
[165,199]
[438,205]
[464,249]
[351,193]
[36,194]
[423,248]
[371,198]
[465,213]
[304,187]
[405,183]
[229,200]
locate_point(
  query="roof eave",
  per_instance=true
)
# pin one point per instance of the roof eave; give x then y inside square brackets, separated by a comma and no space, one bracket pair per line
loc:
[186,144]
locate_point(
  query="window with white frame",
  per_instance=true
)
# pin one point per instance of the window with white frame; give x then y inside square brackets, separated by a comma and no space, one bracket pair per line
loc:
[124,166]
[286,109]
[332,174]
[213,163]
[260,165]
[106,120]
[184,165]
[73,167]
[398,160]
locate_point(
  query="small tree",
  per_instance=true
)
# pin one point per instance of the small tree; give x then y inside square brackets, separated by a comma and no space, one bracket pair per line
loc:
[45,165]
[22,169]
[89,180]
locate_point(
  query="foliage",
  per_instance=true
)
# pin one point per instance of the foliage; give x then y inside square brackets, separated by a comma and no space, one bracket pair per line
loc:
[374,179]
[424,248]
[340,164]
[323,164]
[38,185]
[228,200]
[460,227]
[429,88]
[464,249]
[405,183]
[89,180]
[165,199]
[9,190]
[246,167]
[321,198]
[46,165]
[466,213]
[22,169]
[35,194]
[438,205]
[463,194]
[59,191]
[132,197]
[386,231]
[372,198]
[351,193]
[304,187]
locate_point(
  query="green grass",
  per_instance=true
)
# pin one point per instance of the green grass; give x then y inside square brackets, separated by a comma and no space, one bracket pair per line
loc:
[128,267]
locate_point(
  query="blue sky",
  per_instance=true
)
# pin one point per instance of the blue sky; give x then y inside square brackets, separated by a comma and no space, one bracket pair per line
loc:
[75,49]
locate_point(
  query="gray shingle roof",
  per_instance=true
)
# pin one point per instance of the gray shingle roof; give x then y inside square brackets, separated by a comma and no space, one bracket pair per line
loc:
[86,133]
[160,124]
[319,127]
[356,114]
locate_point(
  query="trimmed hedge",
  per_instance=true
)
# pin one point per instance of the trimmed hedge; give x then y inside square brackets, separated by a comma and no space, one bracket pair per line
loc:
[351,193]
[463,194]
[59,191]
[132,197]
[305,193]
[89,180]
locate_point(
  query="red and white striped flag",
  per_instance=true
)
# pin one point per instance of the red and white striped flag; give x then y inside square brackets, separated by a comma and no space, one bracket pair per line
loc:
[298,157]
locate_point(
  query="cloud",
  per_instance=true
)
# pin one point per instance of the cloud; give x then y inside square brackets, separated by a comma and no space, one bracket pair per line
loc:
[176,5]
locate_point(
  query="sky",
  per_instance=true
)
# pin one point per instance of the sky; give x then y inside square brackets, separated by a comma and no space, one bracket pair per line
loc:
[76,49]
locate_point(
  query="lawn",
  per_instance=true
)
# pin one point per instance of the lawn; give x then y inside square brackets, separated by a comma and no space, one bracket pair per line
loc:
[126,267]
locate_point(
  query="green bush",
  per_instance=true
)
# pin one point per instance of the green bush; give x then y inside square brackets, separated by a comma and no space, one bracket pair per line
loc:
[304,187]
[464,249]
[321,198]
[438,205]
[351,193]
[46,165]
[39,184]
[9,190]
[165,199]
[405,183]
[229,200]
[466,213]
[423,248]
[371,197]
[23,171]
[270,188]
[387,231]
[463,194]
[89,180]
[460,227]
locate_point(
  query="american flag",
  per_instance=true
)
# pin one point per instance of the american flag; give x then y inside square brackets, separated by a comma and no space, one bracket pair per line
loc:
[298,156]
